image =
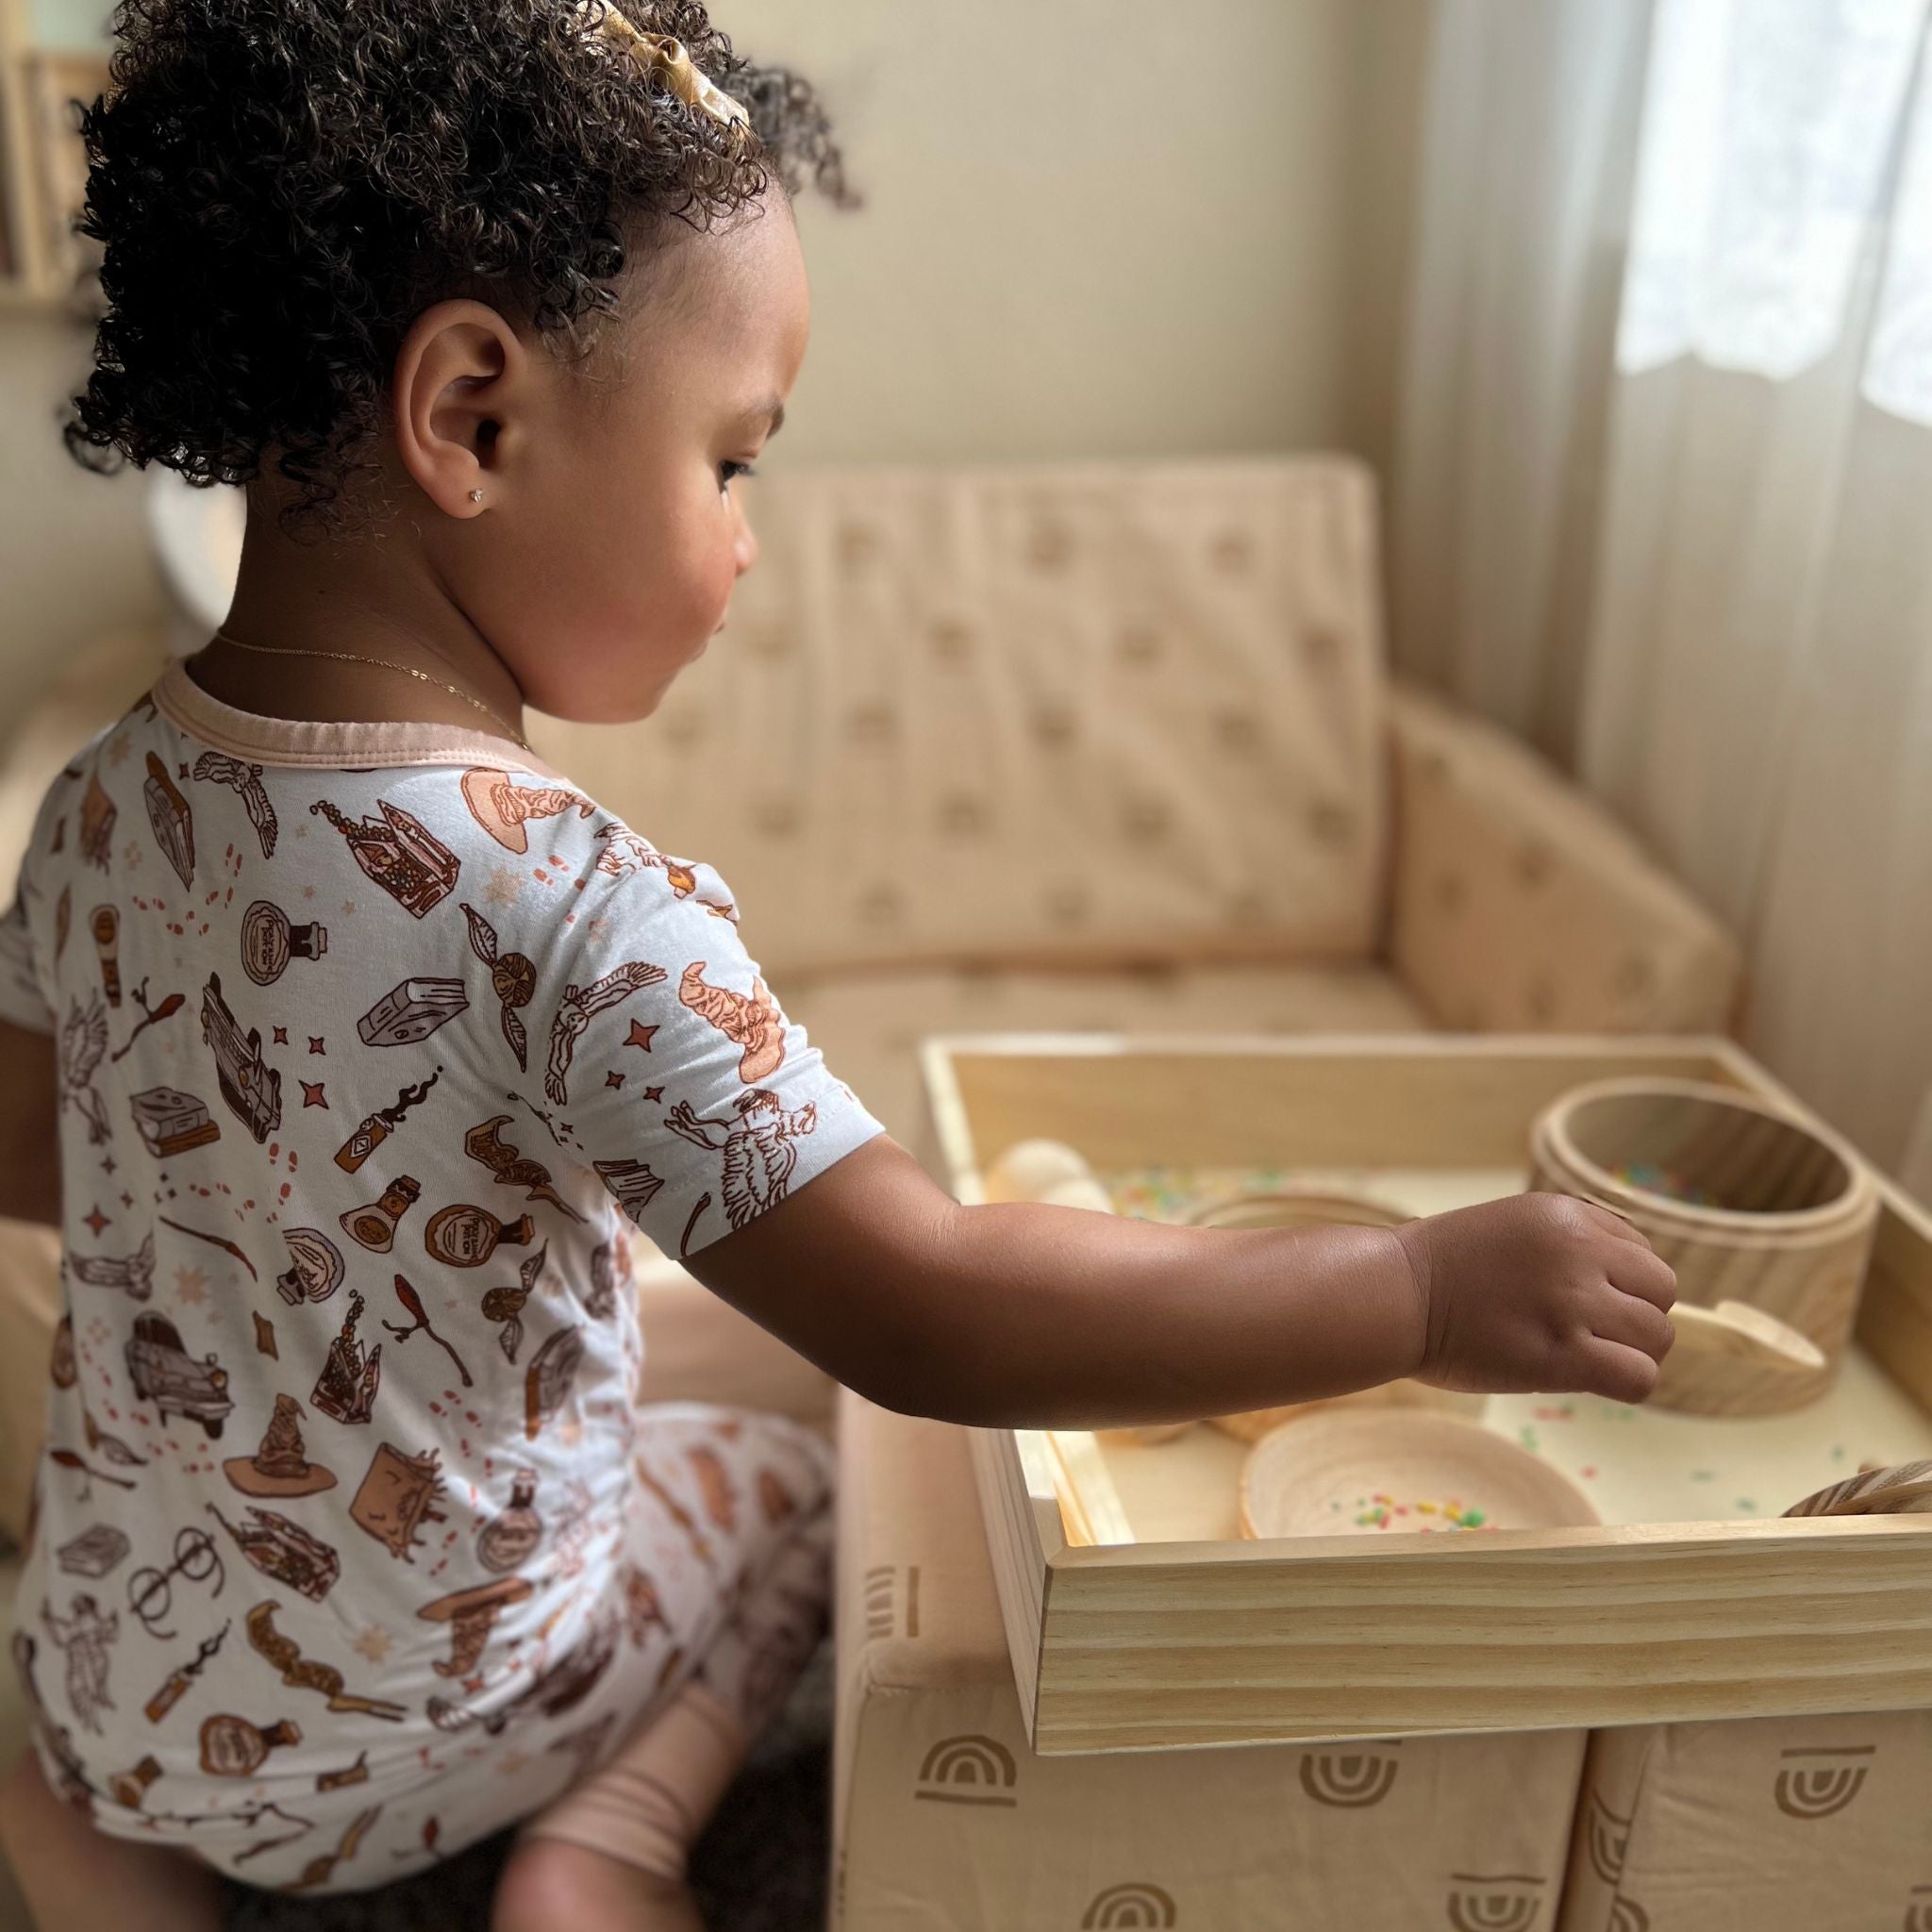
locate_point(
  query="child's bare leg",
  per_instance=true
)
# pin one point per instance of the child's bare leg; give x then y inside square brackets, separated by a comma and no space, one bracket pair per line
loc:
[610,1855]
[73,1875]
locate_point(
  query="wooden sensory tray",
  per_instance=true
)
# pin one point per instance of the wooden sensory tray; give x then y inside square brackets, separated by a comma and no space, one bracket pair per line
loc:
[1138,1621]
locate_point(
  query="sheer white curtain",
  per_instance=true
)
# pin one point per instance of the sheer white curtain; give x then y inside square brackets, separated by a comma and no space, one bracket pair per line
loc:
[1729,629]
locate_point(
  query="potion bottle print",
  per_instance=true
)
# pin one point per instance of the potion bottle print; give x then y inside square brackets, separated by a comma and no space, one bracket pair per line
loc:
[269,940]
[130,1788]
[374,1226]
[104,922]
[466,1236]
[233,1747]
[506,1541]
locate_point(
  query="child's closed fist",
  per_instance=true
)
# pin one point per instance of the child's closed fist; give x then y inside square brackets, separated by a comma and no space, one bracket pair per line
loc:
[1541,1293]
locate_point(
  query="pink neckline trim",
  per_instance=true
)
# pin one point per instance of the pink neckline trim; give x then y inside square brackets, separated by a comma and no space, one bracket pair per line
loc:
[337,746]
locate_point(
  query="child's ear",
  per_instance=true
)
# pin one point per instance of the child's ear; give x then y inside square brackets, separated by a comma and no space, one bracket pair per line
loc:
[456,400]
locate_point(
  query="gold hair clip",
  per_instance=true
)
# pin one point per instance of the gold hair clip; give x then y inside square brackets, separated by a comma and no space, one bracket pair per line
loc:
[664,54]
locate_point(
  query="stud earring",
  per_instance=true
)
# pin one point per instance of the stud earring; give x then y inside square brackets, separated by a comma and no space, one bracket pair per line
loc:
[475,496]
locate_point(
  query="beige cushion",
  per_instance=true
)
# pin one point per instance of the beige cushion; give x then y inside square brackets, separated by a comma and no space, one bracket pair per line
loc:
[1775,1824]
[1519,905]
[30,1309]
[945,1822]
[1060,711]
[869,1025]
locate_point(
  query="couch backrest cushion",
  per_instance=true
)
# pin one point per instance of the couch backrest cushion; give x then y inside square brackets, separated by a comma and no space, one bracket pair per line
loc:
[1058,714]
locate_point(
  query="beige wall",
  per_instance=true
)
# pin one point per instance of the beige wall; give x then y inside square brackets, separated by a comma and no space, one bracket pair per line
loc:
[1092,228]
[73,558]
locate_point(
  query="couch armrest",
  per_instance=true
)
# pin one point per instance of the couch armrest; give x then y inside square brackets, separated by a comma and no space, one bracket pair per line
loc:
[1518,905]
[29,1310]
[698,1348]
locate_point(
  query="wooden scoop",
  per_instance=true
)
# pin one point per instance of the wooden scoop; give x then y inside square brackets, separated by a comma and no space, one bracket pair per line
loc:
[1904,1490]
[1745,1335]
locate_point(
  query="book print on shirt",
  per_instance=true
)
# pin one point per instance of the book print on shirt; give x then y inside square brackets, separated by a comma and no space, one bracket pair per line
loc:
[171,821]
[397,1496]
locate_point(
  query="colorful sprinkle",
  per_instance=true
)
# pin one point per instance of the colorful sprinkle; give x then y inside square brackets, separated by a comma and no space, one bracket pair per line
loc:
[1382,1511]
[1654,1179]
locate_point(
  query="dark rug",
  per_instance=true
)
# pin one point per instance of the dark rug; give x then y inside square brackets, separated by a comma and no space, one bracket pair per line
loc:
[760,1867]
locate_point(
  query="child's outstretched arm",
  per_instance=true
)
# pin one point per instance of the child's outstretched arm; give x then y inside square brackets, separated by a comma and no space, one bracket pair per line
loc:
[29,1143]
[1036,1316]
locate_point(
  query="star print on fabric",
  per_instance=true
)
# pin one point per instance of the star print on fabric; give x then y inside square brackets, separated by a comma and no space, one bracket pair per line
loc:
[281,1036]
[348,906]
[316,1043]
[108,1164]
[126,1199]
[654,1094]
[639,1036]
[313,1094]
[374,1643]
[190,1285]
[97,1221]
[613,1079]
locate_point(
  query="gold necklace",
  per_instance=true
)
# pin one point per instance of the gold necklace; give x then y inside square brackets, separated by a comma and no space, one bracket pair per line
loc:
[382,664]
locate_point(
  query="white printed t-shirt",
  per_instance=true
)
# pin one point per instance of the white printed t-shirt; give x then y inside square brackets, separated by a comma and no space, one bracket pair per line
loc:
[372,1041]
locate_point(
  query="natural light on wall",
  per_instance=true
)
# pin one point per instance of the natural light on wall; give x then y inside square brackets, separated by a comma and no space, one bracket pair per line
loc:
[1786,169]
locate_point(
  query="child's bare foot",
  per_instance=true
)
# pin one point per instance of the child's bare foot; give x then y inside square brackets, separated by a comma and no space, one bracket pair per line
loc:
[549,1883]
[73,1875]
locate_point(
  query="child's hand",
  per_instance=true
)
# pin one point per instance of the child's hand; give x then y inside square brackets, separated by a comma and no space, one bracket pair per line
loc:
[1540,1291]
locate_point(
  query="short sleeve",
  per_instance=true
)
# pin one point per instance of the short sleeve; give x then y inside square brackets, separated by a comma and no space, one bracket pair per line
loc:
[666,1062]
[21,1002]
[22,999]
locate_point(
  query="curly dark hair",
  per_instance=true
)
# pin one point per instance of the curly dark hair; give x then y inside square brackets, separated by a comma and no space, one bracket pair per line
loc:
[282,186]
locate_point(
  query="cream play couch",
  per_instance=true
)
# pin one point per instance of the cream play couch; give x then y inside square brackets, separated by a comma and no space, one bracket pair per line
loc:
[1089,747]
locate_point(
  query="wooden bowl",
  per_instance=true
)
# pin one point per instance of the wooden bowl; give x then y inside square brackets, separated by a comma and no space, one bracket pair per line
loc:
[1782,1220]
[1350,1471]
[1297,1207]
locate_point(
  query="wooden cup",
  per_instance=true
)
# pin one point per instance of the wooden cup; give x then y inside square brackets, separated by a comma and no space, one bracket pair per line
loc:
[1786,1222]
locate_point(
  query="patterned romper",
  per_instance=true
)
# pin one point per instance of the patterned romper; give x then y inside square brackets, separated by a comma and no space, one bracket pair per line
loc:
[353,1543]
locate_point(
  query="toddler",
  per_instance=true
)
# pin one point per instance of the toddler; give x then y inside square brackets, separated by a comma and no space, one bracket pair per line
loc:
[345,1042]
